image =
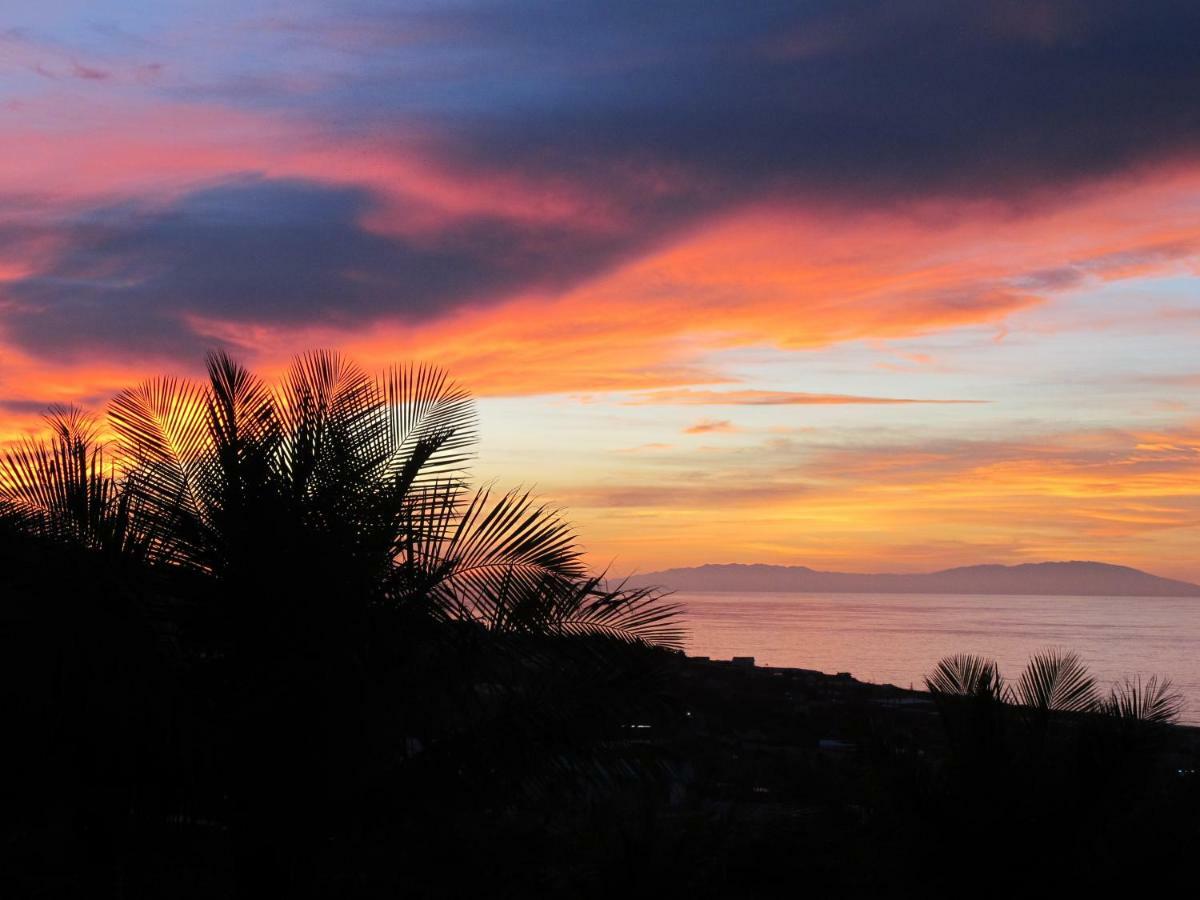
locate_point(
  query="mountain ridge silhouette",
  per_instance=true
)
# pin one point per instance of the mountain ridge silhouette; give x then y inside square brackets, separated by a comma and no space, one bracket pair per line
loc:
[1066,578]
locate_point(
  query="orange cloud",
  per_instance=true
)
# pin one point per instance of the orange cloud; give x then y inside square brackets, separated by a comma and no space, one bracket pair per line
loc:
[779,277]
[784,276]
[794,280]
[711,426]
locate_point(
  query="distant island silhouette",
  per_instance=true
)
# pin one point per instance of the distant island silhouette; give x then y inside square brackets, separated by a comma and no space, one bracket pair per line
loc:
[1074,578]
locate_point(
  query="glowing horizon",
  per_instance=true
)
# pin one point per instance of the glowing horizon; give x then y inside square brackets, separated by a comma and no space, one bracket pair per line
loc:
[730,286]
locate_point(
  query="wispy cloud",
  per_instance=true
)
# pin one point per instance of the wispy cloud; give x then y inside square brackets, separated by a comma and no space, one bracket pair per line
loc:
[711,426]
[653,447]
[689,397]
[88,73]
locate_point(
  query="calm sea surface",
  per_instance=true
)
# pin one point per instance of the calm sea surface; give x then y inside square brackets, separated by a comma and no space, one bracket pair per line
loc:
[897,638]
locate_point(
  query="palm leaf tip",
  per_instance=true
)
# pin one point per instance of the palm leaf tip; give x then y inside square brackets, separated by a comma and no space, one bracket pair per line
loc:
[1056,680]
[641,615]
[1151,701]
[72,424]
[965,675]
[425,407]
[64,487]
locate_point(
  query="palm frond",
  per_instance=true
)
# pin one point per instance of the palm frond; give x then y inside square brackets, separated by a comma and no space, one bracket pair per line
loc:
[333,424]
[1152,701]
[512,539]
[63,487]
[244,435]
[241,408]
[966,675]
[429,516]
[423,404]
[72,424]
[1055,680]
[589,607]
[163,439]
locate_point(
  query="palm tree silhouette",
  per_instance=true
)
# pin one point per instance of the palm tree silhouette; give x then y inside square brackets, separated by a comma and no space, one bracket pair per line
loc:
[1046,766]
[347,489]
[350,571]
[63,488]
[1054,683]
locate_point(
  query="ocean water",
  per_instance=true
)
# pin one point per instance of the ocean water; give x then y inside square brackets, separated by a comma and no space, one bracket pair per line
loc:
[897,638]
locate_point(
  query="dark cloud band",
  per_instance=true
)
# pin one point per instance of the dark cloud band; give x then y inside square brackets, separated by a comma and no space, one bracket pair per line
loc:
[665,113]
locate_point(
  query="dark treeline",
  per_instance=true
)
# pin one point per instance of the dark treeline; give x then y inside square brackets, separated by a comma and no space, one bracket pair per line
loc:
[268,641]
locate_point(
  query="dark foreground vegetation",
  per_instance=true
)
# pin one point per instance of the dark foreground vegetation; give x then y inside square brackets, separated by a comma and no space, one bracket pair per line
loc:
[268,642]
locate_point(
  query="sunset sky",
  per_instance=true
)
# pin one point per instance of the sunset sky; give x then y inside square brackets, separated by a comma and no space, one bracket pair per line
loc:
[855,285]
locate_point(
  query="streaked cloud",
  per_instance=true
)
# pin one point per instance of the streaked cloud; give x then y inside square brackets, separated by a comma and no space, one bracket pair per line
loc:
[691,397]
[653,447]
[1116,495]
